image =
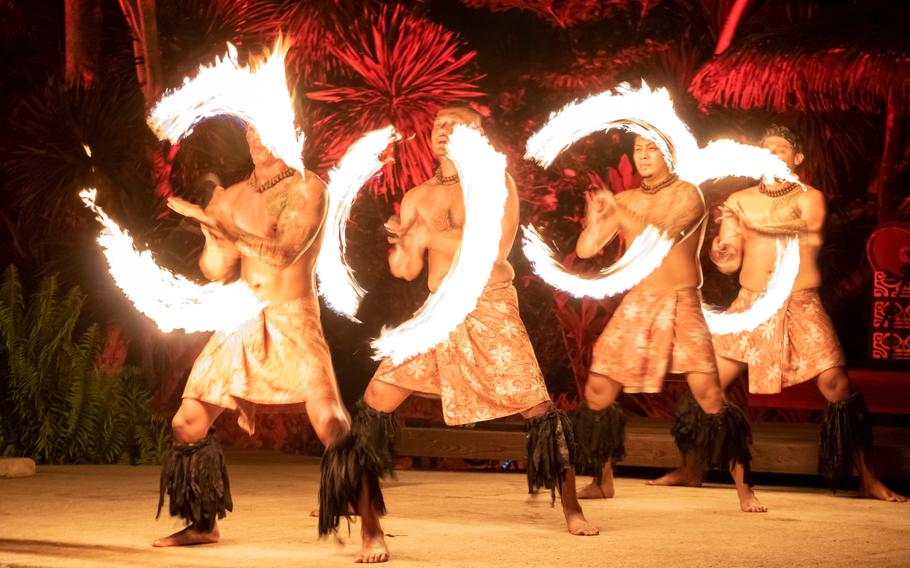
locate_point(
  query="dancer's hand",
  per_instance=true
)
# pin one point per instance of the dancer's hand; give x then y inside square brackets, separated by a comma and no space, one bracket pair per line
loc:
[598,204]
[393,228]
[739,215]
[722,252]
[417,235]
[191,211]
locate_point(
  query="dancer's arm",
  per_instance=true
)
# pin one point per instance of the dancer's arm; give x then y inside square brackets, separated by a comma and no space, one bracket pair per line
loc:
[602,222]
[727,248]
[684,213]
[220,259]
[813,212]
[408,235]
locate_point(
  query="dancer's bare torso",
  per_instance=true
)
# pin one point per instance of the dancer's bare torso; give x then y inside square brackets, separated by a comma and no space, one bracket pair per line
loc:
[278,233]
[677,209]
[432,220]
[751,225]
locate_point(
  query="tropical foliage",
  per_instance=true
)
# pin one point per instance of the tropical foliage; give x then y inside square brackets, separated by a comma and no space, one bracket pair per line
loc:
[57,405]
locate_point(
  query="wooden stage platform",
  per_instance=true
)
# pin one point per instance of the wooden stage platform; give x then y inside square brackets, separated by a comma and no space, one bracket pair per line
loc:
[104,516]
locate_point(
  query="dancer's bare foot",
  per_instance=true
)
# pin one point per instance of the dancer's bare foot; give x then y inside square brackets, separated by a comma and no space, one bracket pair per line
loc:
[351,511]
[875,489]
[576,522]
[594,491]
[187,537]
[579,525]
[373,550]
[749,503]
[683,477]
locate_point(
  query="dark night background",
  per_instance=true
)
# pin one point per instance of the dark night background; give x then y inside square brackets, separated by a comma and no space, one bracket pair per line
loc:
[86,361]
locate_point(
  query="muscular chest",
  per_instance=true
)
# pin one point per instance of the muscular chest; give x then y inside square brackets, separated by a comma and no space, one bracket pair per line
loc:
[651,209]
[444,210]
[785,209]
[258,213]
[762,210]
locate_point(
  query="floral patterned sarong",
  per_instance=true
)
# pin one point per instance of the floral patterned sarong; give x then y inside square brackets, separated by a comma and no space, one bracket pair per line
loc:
[486,368]
[651,334]
[794,345]
[279,359]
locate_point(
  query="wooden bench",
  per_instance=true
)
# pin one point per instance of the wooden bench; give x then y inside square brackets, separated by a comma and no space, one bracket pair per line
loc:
[779,447]
[885,392]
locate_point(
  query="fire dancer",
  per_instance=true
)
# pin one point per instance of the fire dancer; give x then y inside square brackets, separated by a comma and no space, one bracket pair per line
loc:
[799,342]
[658,329]
[486,369]
[266,230]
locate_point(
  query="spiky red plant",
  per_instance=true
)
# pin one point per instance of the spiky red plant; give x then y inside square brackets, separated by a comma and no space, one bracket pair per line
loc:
[309,26]
[395,68]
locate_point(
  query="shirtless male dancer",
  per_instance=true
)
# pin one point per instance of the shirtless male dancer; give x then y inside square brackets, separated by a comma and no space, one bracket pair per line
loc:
[486,368]
[658,329]
[799,342]
[267,231]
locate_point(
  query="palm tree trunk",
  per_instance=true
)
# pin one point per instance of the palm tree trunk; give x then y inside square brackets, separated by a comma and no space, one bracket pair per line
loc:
[82,23]
[894,135]
[142,19]
[729,29]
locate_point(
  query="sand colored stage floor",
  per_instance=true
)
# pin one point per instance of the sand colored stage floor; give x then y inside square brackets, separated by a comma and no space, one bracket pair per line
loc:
[104,516]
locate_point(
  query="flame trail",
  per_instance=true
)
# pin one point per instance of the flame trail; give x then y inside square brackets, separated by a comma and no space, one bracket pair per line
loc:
[649,113]
[170,300]
[646,252]
[337,284]
[483,181]
[780,285]
[258,96]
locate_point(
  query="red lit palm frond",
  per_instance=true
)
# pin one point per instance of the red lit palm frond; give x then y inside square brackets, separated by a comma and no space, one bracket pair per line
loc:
[253,18]
[393,68]
[805,67]
[601,70]
[565,13]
